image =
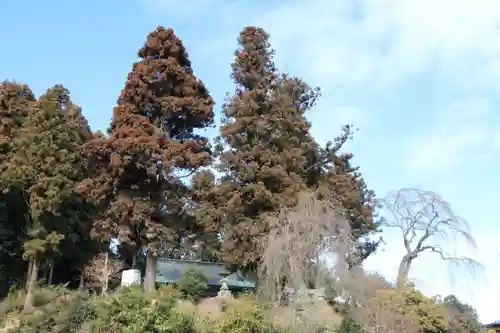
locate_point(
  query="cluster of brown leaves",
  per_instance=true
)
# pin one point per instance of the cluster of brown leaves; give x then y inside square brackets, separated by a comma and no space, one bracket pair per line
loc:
[101,270]
[137,168]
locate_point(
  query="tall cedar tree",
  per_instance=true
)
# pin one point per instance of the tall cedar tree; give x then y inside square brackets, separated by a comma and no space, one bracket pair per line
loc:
[270,156]
[44,165]
[267,150]
[152,144]
[16,101]
[77,247]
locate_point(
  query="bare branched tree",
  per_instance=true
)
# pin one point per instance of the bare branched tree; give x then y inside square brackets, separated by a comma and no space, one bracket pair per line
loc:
[427,224]
[101,270]
[291,259]
[299,238]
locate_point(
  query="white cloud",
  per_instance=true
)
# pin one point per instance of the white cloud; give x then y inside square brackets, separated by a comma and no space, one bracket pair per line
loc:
[378,43]
[452,136]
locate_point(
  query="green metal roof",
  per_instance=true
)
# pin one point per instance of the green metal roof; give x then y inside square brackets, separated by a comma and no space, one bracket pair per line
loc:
[170,271]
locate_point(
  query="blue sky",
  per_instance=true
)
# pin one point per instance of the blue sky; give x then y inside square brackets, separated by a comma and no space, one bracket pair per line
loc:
[419,78]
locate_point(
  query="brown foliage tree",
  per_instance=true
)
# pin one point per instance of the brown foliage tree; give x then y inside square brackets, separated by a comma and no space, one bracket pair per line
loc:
[265,144]
[268,156]
[101,269]
[152,143]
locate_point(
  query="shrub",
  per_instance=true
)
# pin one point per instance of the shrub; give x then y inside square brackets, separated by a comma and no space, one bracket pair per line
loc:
[168,291]
[243,316]
[192,284]
[57,310]
[132,311]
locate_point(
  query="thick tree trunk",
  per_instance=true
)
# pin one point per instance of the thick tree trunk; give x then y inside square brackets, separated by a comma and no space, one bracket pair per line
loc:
[150,276]
[33,276]
[403,271]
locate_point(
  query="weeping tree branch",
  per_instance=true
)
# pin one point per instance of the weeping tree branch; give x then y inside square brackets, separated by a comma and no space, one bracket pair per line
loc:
[292,257]
[427,224]
[298,238]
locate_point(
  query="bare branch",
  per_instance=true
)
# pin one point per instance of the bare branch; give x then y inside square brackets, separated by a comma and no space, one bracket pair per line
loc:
[291,259]
[427,223]
[298,239]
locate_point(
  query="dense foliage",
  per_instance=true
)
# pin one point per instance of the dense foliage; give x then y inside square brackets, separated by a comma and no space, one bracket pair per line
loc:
[128,311]
[155,184]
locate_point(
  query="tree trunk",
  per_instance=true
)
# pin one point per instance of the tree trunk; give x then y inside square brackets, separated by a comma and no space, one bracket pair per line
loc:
[82,281]
[105,274]
[28,275]
[51,272]
[403,271]
[33,276]
[150,276]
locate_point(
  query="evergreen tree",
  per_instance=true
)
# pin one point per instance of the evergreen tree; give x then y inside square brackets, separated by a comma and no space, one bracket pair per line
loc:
[267,156]
[44,166]
[152,144]
[266,148]
[77,247]
[16,101]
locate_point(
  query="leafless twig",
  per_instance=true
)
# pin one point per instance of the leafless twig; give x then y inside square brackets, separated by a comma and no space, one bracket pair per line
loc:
[292,259]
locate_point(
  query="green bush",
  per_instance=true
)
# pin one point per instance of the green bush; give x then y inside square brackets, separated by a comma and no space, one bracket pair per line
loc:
[132,311]
[192,284]
[57,310]
[243,316]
